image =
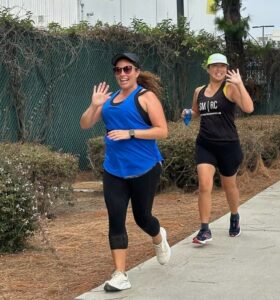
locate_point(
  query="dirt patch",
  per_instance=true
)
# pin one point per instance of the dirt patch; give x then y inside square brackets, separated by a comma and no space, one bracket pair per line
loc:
[70,254]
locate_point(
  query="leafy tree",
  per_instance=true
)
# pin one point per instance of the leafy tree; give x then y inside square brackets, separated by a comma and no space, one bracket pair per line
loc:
[235,29]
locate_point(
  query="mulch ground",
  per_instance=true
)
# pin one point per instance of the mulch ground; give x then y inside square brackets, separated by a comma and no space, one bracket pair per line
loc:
[70,254]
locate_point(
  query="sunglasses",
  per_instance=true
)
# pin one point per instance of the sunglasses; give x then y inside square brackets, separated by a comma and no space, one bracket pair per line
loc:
[126,70]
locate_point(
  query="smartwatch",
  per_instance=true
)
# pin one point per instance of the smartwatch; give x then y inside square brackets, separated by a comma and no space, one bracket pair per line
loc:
[132,133]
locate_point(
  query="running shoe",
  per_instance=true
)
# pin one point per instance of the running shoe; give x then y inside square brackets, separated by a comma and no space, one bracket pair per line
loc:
[118,282]
[234,229]
[163,250]
[203,237]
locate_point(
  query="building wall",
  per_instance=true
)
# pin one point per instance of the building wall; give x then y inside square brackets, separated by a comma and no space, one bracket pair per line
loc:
[123,11]
[150,11]
[69,12]
[63,12]
[275,37]
[198,16]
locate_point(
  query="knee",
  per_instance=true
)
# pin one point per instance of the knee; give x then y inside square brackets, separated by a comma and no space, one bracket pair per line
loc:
[148,224]
[143,221]
[118,241]
[205,187]
[230,186]
[232,189]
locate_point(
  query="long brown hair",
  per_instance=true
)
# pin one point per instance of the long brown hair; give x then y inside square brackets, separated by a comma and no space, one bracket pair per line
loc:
[150,82]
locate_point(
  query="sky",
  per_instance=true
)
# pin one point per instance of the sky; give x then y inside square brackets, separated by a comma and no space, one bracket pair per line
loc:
[262,13]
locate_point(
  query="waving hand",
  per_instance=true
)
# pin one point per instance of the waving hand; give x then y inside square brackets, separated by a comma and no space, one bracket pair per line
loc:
[100,94]
[234,77]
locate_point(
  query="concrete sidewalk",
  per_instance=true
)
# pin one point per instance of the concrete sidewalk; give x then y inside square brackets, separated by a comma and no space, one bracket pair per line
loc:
[246,267]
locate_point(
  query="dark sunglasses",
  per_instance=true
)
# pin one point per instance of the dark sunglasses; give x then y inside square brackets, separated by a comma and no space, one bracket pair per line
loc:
[126,70]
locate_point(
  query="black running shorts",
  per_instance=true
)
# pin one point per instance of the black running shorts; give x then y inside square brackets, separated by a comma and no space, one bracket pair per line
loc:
[226,156]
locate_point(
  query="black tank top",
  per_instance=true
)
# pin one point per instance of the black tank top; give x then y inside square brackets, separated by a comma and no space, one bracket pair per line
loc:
[217,116]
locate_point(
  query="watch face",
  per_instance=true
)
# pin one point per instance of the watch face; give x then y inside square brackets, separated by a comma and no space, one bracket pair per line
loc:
[131,133]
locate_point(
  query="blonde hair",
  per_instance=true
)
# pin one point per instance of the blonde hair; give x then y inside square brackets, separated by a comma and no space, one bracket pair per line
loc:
[150,82]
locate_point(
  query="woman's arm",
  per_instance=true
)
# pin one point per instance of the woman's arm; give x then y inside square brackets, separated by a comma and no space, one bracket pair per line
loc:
[151,104]
[237,92]
[194,110]
[93,112]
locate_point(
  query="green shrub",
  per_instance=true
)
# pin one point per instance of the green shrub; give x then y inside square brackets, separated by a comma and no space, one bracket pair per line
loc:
[95,152]
[179,166]
[17,206]
[259,137]
[32,180]
[260,140]
[51,173]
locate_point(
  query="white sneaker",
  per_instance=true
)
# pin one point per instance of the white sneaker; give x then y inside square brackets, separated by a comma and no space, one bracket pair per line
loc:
[163,250]
[118,282]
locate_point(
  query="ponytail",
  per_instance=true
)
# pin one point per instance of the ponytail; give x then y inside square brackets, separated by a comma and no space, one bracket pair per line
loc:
[150,82]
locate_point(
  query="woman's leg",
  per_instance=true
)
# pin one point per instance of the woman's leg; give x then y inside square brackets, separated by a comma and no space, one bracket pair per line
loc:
[228,163]
[205,178]
[119,258]
[143,190]
[116,194]
[232,193]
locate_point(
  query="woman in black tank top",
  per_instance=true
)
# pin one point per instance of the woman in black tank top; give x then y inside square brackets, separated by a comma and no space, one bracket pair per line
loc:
[217,144]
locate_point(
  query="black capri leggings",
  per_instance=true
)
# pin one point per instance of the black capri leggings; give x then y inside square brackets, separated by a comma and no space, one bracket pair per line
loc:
[141,190]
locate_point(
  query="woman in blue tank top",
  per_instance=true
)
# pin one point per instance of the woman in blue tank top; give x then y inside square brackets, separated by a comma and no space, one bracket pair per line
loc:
[217,144]
[134,119]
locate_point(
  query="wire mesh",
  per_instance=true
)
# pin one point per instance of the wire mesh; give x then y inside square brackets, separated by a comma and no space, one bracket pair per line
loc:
[56,87]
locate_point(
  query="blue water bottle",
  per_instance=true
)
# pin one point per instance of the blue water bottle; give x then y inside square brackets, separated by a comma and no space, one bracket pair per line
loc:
[188,116]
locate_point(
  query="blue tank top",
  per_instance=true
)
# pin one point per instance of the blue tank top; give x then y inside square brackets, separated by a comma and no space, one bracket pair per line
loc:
[131,157]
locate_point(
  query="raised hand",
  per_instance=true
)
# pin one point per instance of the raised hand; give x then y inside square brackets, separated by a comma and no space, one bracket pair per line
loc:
[234,77]
[100,94]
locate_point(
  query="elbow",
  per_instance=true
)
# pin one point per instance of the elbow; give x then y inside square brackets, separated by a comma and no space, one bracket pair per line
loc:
[249,109]
[165,134]
[162,134]
[83,125]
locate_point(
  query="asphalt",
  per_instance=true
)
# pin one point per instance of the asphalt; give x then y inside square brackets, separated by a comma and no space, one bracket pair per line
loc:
[246,267]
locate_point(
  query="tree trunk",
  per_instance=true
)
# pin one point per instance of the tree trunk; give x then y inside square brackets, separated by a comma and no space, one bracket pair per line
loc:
[234,33]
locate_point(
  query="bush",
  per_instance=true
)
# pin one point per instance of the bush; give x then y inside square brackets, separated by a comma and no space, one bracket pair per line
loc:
[260,141]
[17,206]
[179,166]
[259,137]
[51,173]
[32,179]
[95,152]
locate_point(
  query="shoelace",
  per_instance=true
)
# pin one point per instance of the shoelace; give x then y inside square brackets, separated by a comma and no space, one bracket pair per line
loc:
[116,273]
[203,234]
[234,224]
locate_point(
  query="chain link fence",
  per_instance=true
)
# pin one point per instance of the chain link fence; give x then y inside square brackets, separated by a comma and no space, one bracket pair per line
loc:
[46,84]
[43,101]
